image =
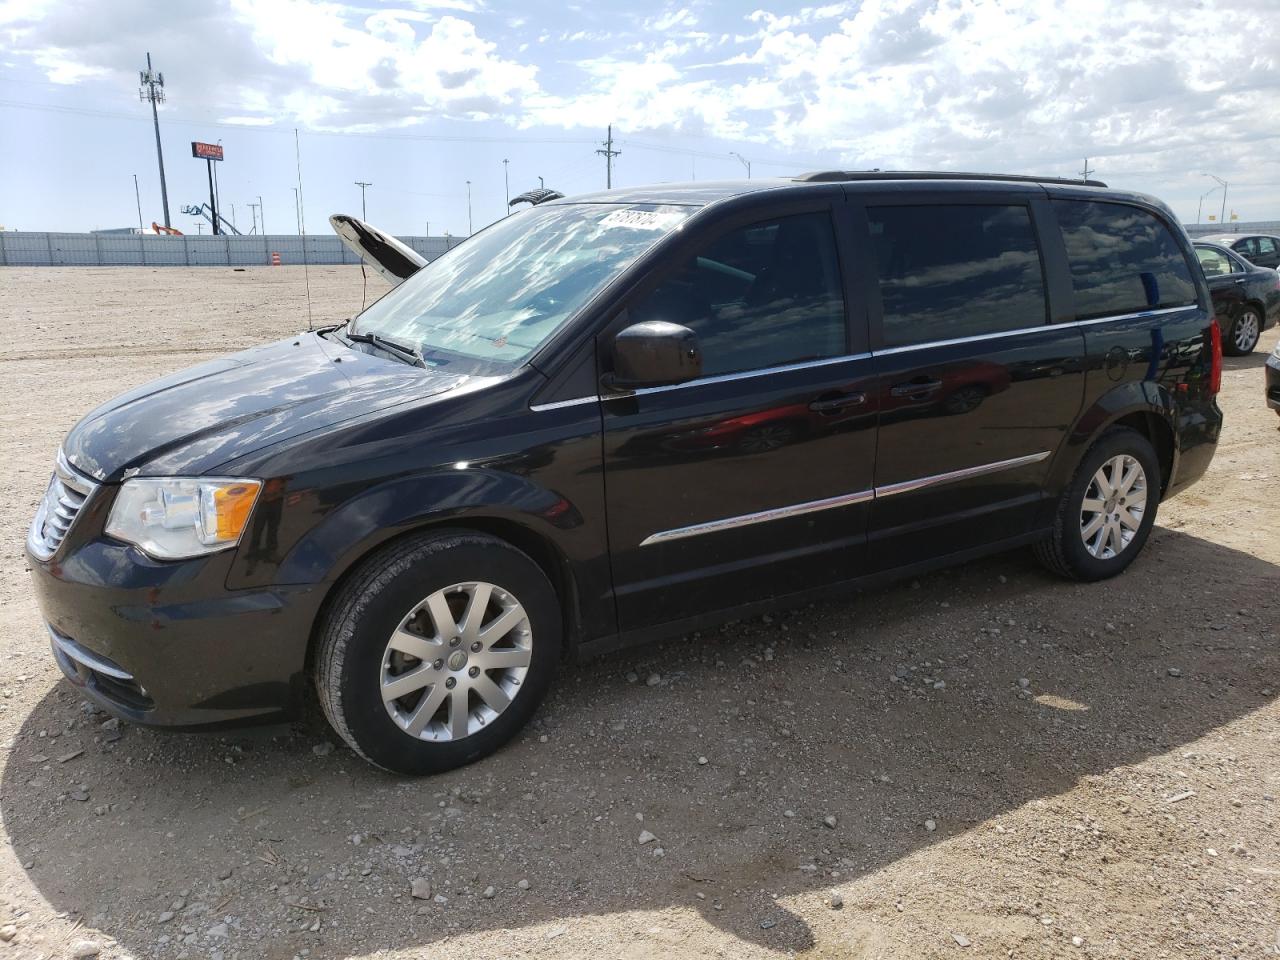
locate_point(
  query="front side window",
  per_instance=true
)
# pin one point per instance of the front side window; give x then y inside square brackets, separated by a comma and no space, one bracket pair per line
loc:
[491,301]
[957,270]
[1248,247]
[1123,259]
[759,296]
[1215,262]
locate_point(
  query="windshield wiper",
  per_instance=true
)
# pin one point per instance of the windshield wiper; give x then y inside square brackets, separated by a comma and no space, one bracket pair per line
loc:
[403,351]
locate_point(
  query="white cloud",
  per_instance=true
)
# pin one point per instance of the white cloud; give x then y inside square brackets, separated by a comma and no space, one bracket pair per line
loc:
[997,84]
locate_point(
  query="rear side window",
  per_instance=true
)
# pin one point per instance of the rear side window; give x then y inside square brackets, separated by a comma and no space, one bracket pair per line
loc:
[759,296]
[1123,259]
[951,271]
[1266,245]
[1214,262]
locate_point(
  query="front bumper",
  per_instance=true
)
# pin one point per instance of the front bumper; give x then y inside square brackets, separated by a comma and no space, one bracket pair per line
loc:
[1273,382]
[167,644]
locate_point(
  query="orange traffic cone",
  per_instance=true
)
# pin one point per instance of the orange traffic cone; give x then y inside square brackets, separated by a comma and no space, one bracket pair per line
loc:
[275,259]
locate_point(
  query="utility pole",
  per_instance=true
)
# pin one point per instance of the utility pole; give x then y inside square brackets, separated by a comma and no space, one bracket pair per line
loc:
[608,153]
[469,229]
[1086,173]
[262,216]
[506,182]
[744,161]
[152,89]
[296,212]
[253,210]
[138,197]
[362,184]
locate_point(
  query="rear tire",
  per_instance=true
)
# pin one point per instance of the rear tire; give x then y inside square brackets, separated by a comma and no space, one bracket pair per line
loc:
[1101,524]
[463,626]
[1242,338]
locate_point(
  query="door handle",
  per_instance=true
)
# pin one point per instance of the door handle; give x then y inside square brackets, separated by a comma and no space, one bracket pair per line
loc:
[832,404]
[1241,279]
[917,389]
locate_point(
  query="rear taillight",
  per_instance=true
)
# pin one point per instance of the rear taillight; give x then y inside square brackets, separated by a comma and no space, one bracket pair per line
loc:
[1215,357]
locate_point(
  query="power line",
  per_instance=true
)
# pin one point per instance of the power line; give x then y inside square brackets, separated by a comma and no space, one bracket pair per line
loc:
[152,90]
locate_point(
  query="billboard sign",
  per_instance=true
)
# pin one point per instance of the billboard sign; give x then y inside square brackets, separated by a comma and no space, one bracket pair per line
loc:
[206,151]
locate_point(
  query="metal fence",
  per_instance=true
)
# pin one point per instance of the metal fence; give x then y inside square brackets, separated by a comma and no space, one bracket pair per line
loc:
[1271,227]
[35,249]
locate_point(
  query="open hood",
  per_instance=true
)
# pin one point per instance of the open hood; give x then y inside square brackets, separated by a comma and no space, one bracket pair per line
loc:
[391,258]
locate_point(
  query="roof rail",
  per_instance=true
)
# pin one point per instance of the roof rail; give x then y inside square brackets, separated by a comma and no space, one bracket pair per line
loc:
[837,176]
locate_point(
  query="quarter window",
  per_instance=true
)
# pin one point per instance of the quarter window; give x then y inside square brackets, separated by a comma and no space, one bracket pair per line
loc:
[951,271]
[1123,259]
[758,296]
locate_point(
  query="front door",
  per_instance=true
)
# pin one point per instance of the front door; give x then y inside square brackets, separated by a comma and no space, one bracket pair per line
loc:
[976,388]
[755,480]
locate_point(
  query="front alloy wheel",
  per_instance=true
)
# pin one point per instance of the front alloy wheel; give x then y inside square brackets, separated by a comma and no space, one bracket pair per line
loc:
[437,650]
[456,661]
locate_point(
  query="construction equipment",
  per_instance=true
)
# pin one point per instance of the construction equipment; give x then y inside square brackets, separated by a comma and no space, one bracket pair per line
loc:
[203,210]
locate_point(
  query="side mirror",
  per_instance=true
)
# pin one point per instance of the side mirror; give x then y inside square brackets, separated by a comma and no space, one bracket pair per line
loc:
[654,354]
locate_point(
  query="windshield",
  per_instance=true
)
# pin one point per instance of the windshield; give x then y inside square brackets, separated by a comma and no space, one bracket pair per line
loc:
[499,295]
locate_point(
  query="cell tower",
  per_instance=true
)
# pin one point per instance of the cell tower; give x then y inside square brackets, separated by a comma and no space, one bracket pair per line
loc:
[152,89]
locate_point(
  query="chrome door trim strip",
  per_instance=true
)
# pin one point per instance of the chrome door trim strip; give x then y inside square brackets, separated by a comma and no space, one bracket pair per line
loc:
[845,500]
[884,351]
[745,374]
[777,513]
[907,486]
[1044,327]
[558,404]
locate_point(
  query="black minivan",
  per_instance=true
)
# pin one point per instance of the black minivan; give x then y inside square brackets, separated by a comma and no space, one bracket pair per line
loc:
[624,415]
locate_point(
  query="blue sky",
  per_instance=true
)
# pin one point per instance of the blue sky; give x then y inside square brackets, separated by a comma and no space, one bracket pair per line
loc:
[422,95]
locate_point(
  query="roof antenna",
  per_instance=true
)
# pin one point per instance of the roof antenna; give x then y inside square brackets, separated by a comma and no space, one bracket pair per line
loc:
[302,227]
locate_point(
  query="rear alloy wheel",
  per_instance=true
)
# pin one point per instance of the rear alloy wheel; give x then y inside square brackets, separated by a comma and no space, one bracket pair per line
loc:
[437,651]
[1244,334]
[1106,513]
[1111,513]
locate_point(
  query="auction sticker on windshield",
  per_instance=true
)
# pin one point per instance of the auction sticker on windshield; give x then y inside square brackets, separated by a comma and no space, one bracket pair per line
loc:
[642,219]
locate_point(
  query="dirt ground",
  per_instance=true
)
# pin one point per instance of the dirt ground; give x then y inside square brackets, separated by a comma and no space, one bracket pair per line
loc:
[1098,776]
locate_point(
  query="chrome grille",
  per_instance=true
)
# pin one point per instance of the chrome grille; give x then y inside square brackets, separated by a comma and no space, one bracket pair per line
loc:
[67,493]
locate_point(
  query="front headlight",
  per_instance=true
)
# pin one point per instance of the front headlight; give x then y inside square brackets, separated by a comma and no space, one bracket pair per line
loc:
[173,518]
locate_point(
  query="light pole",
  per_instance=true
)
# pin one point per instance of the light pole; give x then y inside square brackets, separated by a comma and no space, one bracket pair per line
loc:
[469,230]
[1223,217]
[297,213]
[744,161]
[506,182]
[138,198]
[1200,205]
[362,184]
[542,183]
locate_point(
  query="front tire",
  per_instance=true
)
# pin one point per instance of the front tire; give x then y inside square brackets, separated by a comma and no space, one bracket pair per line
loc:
[1242,338]
[1107,511]
[437,651]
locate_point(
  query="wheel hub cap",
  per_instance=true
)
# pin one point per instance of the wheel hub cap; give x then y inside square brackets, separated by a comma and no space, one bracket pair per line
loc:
[456,661]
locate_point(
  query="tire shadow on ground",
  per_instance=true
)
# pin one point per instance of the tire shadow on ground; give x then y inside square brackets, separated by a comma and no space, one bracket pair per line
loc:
[832,710]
